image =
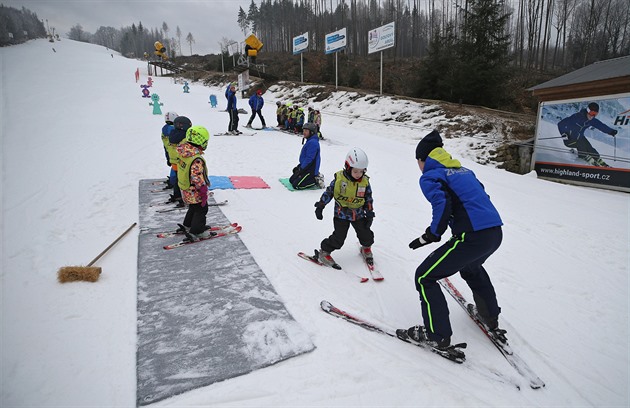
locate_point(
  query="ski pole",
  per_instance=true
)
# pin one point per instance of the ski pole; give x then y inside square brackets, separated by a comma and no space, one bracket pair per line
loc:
[547,138]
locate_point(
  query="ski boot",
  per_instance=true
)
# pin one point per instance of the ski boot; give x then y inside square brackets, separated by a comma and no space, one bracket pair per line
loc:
[325,258]
[419,335]
[366,252]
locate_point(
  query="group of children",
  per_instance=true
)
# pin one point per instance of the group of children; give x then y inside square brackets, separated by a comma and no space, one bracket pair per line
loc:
[292,117]
[184,146]
[458,202]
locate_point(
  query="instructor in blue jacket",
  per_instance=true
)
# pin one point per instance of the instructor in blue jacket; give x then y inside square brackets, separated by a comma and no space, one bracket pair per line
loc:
[572,130]
[459,202]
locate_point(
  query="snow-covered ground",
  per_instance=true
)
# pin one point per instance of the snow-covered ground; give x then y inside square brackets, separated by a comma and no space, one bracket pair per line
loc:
[76,138]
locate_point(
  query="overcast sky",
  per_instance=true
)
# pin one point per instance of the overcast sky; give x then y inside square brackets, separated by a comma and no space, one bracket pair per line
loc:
[207,20]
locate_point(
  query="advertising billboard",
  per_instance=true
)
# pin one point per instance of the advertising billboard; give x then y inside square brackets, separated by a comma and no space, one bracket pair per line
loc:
[232,48]
[243,80]
[336,41]
[381,38]
[585,141]
[300,43]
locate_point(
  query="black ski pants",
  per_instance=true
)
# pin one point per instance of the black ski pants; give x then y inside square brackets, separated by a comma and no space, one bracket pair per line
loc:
[338,237]
[233,120]
[464,254]
[196,218]
[583,147]
[254,113]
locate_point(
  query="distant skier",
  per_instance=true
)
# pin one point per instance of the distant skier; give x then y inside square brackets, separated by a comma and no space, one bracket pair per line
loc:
[572,131]
[232,111]
[256,102]
[459,201]
[352,193]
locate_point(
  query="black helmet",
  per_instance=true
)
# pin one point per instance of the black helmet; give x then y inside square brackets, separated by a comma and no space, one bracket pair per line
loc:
[311,127]
[182,123]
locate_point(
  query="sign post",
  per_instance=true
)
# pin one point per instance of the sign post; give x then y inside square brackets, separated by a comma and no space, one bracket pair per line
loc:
[300,44]
[336,41]
[379,39]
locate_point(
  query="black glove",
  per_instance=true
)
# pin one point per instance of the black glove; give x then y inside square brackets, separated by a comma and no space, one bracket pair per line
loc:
[613,133]
[168,163]
[426,238]
[319,210]
[565,136]
[319,213]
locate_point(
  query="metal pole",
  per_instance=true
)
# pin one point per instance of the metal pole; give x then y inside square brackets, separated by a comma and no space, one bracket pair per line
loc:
[302,66]
[336,76]
[381,72]
[222,66]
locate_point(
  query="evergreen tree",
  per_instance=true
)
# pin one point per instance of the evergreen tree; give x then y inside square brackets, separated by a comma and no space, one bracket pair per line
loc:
[438,71]
[242,21]
[484,53]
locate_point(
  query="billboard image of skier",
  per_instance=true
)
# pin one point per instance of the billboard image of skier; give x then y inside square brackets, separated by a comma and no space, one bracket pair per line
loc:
[585,141]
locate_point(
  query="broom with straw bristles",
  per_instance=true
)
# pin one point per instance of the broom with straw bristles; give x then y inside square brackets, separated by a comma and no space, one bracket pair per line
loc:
[87,273]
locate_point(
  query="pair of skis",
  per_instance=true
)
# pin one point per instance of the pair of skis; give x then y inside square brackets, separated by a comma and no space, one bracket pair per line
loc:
[219,231]
[453,353]
[374,272]
[230,134]
[177,207]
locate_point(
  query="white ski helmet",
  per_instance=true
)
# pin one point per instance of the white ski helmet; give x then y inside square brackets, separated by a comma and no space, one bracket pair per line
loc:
[356,158]
[170,117]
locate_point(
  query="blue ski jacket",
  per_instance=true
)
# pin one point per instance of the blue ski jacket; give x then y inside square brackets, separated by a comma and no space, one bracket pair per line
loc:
[458,199]
[256,102]
[575,125]
[231,101]
[310,153]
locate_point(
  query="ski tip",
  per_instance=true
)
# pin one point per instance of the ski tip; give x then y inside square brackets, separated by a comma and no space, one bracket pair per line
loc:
[363,280]
[378,279]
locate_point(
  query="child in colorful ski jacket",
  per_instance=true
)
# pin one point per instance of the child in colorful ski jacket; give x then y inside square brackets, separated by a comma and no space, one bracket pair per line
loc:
[352,192]
[180,125]
[192,178]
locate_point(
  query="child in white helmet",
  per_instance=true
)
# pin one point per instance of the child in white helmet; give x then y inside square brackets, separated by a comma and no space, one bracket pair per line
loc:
[351,190]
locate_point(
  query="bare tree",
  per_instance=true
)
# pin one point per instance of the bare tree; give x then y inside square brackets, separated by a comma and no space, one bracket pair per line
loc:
[190,40]
[178,33]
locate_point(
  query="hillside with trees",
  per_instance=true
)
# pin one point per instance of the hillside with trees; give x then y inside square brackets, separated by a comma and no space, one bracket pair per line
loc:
[18,26]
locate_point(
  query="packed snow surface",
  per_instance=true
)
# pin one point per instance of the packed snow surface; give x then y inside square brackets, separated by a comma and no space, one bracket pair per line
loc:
[77,137]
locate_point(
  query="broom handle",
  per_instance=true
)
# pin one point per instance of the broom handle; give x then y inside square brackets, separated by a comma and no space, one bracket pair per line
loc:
[112,244]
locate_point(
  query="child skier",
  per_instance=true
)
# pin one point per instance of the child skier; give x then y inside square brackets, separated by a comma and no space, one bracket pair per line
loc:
[352,193]
[180,125]
[192,178]
[166,131]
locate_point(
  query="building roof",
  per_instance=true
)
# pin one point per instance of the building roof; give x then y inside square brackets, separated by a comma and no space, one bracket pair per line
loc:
[608,69]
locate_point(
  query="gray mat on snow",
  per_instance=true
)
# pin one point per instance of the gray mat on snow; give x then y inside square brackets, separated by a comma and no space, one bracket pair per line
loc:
[206,311]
